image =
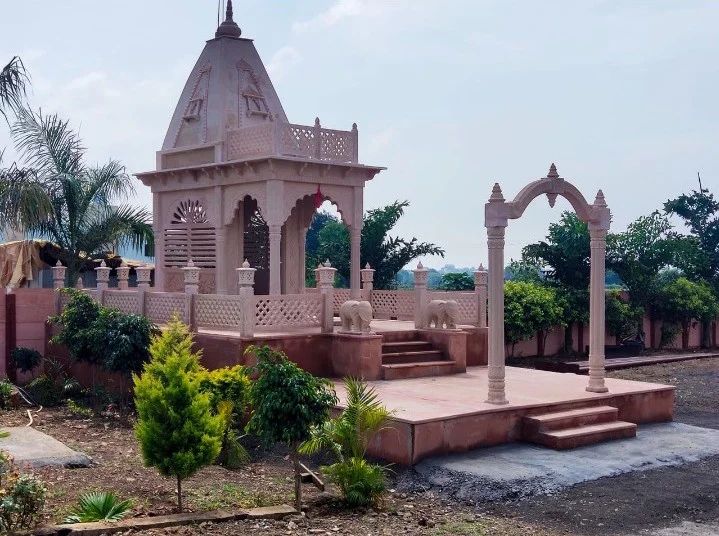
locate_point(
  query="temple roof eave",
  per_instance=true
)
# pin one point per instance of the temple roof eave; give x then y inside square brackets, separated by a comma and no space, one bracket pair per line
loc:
[148,177]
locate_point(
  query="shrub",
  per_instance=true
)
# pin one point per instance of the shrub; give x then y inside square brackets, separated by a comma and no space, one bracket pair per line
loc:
[75,321]
[528,308]
[621,317]
[177,431]
[287,402]
[22,497]
[44,391]
[25,359]
[229,390]
[99,506]
[5,394]
[457,281]
[348,436]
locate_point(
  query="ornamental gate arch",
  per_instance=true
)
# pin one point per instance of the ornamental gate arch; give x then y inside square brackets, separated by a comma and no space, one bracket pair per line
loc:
[497,213]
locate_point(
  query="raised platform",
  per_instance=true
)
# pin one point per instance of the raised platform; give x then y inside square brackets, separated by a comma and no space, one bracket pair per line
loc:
[448,414]
[616,363]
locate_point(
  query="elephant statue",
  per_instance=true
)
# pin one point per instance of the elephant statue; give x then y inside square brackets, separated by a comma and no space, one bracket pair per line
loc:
[356,316]
[442,313]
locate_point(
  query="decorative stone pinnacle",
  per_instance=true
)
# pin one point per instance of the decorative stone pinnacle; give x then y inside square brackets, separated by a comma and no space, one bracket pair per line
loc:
[599,200]
[367,266]
[481,267]
[327,263]
[190,263]
[496,194]
[102,264]
[246,264]
[553,174]
[58,263]
[354,127]
[317,121]
[229,27]
[419,266]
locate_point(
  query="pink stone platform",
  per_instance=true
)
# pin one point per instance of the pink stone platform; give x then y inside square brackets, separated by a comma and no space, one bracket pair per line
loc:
[441,415]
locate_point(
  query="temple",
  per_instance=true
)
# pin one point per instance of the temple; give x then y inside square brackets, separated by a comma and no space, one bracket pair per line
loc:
[236,180]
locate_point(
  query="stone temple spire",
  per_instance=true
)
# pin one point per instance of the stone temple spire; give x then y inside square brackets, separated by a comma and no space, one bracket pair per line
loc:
[229,27]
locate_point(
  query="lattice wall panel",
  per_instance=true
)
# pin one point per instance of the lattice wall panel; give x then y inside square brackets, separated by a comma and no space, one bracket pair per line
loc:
[340,296]
[288,310]
[160,306]
[466,301]
[250,141]
[337,145]
[298,140]
[196,242]
[218,311]
[122,300]
[397,304]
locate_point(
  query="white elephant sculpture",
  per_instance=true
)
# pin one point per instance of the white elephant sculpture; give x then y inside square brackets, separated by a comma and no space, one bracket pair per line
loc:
[356,316]
[442,313]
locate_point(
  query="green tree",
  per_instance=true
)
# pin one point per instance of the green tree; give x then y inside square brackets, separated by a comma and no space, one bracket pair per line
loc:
[523,270]
[682,301]
[621,317]
[55,195]
[13,83]
[528,309]
[698,256]
[177,431]
[566,255]
[385,253]
[287,402]
[457,281]
[638,255]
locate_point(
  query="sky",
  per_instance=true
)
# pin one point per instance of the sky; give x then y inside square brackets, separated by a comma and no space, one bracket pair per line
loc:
[450,95]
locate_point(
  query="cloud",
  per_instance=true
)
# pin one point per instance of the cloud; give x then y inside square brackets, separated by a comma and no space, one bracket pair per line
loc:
[282,61]
[342,10]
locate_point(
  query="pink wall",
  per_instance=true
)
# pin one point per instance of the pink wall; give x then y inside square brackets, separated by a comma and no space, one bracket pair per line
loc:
[3,340]
[32,309]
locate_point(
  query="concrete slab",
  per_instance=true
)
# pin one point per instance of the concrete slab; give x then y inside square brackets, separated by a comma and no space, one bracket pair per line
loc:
[519,470]
[687,528]
[30,447]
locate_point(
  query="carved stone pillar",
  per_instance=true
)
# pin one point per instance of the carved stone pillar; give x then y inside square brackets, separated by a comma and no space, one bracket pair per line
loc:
[367,275]
[192,278]
[480,289]
[246,289]
[325,276]
[598,241]
[58,275]
[275,261]
[221,264]
[355,241]
[103,276]
[495,371]
[144,274]
[421,275]
[123,276]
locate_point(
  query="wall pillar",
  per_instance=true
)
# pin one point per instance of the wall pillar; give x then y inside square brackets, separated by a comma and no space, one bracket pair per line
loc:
[221,260]
[159,232]
[123,276]
[143,277]
[275,259]
[598,241]
[58,275]
[325,276]
[495,372]
[480,290]
[103,276]
[421,275]
[367,274]
[246,289]
[192,278]
[355,241]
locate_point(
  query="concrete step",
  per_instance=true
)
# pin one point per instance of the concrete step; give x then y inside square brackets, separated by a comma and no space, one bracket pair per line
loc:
[586,435]
[417,370]
[400,336]
[405,346]
[422,356]
[572,418]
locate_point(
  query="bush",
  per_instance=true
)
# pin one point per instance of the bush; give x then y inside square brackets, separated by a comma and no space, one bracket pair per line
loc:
[75,322]
[99,506]
[228,384]
[348,436]
[622,318]
[287,402]
[177,431]
[22,497]
[529,308]
[457,281]
[45,391]
[5,394]
[25,359]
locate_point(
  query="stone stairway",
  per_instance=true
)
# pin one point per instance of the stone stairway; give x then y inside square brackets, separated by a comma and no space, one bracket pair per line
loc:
[577,427]
[406,355]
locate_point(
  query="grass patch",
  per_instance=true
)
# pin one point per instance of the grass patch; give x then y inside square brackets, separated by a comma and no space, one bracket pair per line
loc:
[233,496]
[4,434]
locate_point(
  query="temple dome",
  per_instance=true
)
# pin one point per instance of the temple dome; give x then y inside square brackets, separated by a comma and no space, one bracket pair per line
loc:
[228,89]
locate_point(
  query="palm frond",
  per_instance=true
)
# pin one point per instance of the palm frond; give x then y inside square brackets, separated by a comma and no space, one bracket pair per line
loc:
[24,201]
[105,226]
[99,506]
[13,82]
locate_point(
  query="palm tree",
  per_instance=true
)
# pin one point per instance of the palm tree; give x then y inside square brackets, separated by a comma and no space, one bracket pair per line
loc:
[55,195]
[13,80]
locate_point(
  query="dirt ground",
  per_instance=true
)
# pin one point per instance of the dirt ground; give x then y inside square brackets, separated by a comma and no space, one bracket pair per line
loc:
[626,504]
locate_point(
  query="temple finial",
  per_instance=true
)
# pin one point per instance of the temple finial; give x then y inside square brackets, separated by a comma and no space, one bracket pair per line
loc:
[229,27]
[553,174]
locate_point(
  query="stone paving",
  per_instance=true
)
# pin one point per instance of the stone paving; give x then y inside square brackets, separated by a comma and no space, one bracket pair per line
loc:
[30,447]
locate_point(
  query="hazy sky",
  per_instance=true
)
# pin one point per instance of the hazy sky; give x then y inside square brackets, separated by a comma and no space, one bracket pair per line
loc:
[450,95]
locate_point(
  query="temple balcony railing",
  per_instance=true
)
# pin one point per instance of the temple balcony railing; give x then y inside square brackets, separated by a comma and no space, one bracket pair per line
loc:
[289,139]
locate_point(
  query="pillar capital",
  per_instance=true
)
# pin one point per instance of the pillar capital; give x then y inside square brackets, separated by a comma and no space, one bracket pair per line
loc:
[421,275]
[123,275]
[192,277]
[367,274]
[58,275]
[144,274]
[325,275]
[246,276]
[103,275]
[480,277]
